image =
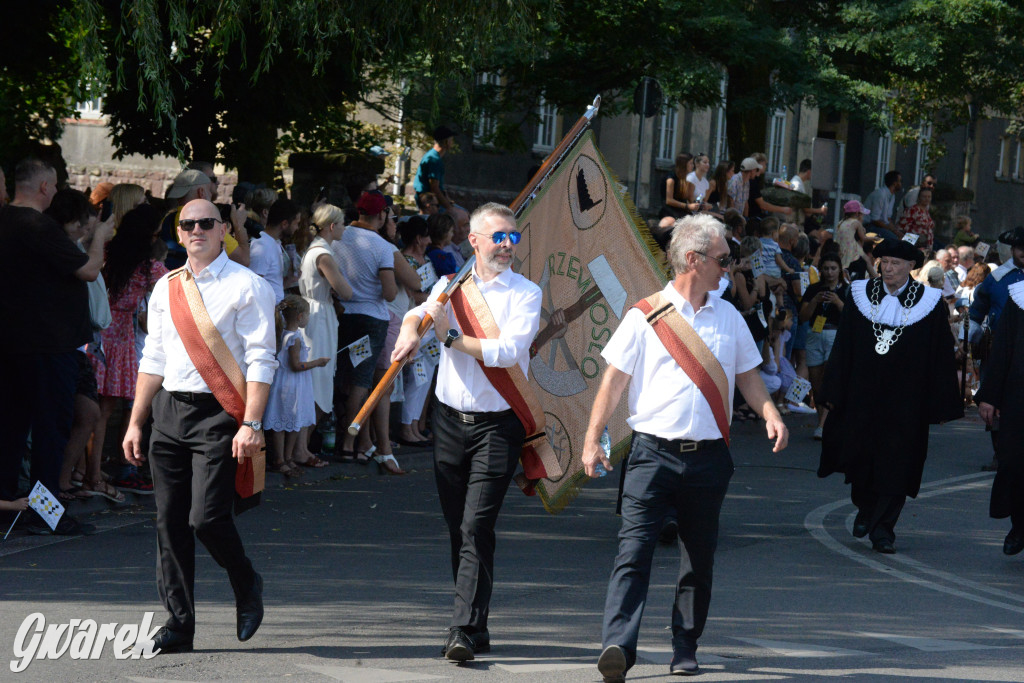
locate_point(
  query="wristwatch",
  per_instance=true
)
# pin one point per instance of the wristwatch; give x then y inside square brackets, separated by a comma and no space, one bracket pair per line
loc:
[254,425]
[453,335]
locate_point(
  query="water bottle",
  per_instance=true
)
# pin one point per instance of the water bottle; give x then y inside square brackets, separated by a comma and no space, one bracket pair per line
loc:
[327,432]
[785,176]
[606,446]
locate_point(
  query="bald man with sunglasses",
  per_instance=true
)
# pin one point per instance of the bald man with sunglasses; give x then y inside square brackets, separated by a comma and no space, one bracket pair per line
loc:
[477,436]
[196,444]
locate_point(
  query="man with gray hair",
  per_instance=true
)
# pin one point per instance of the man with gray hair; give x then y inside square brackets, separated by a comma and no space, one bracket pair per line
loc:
[487,328]
[683,353]
[965,261]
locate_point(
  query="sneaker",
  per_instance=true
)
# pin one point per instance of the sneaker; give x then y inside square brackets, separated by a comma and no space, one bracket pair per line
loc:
[817,433]
[136,484]
[802,408]
[67,526]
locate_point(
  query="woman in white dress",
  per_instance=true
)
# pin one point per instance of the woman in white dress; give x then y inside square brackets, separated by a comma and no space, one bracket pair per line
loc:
[318,277]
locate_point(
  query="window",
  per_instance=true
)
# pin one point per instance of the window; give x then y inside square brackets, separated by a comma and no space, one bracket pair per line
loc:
[486,123]
[1018,167]
[924,137]
[720,146]
[667,133]
[776,141]
[1011,166]
[884,152]
[90,109]
[546,126]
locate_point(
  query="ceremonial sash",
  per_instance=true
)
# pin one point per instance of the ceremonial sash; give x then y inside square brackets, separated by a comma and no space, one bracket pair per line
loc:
[538,459]
[692,354]
[215,364]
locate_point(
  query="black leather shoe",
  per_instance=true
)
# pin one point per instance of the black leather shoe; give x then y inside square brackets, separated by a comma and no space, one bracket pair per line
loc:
[612,664]
[860,527]
[669,532]
[458,647]
[481,642]
[1014,542]
[167,642]
[684,663]
[249,610]
[884,547]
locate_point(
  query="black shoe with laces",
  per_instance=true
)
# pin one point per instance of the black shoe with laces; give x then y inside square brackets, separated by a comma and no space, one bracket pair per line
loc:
[67,526]
[458,647]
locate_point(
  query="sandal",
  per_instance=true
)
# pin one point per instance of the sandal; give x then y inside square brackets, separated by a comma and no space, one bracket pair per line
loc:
[387,464]
[364,458]
[314,462]
[77,478]
[744,414]
[345,456]
[281,468]
[71,494]
[103,489]
[294,468]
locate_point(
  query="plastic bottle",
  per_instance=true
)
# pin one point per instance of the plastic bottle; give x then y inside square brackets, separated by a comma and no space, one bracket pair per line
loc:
[328,434]
[785,176]
[606,446]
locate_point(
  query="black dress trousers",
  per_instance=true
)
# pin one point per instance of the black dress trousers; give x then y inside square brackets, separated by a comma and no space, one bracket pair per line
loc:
[475,457]
[194,485]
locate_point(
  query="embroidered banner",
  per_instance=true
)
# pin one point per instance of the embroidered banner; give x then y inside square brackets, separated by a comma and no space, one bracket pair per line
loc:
[592,256]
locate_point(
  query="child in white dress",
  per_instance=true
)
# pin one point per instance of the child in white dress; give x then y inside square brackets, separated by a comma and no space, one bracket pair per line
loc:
[291,408]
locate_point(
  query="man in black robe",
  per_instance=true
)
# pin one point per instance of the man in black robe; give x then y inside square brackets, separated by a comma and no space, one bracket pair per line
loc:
[1002,393]
[892,373]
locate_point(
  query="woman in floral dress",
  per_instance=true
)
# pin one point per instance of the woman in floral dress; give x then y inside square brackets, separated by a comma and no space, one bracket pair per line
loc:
[130,272]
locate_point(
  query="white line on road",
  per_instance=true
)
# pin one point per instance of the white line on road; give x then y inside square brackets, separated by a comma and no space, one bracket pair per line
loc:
[800,649]
[929,644]
[814,522]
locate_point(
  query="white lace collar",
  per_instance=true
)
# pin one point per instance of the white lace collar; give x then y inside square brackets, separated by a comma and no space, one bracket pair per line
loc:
[1016,291]
[890,310]
[1000,272]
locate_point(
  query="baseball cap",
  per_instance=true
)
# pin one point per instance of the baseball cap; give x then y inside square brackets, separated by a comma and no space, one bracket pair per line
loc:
[185,181]
[749,164]
[371,203]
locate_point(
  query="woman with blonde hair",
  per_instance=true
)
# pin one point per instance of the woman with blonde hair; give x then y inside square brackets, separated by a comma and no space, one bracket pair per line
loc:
[123,198]
[319,276]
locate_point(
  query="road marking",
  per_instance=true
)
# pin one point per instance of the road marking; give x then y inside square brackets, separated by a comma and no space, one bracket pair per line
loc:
[663,655]
[528,665]
[998,674]
[1008,631]
[814,522]
[362,674]
[928,644]
[801,649]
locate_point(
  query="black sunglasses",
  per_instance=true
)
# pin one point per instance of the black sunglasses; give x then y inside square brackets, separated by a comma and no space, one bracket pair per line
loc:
[723,261]
[187,224]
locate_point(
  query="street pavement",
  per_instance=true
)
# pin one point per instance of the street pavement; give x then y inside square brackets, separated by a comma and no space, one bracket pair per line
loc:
[358,584]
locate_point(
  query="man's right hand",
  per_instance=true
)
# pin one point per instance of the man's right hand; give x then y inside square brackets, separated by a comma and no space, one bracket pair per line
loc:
[132,445]
[407,344]
[105,230]
[987,412]
[593,455]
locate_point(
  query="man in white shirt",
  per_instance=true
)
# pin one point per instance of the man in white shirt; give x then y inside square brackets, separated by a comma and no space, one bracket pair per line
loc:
[680,456]
[195,442]
[477,436]
[880,204]
[267,257]
[801,182]
[965,261]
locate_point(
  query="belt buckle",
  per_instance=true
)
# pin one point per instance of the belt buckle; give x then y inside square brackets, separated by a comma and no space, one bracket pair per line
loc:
[688,446]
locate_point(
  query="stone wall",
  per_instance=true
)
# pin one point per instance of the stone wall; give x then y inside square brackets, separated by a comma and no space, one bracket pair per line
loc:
[155,183]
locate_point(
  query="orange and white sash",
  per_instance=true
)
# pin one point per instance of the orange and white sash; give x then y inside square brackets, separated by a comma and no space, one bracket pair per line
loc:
[475,318]
[218,368]
[692,354]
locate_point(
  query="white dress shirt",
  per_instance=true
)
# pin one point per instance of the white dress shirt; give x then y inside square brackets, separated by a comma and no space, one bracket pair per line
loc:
[241,306]
[515,304]
[663,401]
[268,260]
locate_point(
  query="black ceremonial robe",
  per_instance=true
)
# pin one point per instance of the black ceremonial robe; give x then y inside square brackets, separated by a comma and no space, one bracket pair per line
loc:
[1002,385]
[877,430]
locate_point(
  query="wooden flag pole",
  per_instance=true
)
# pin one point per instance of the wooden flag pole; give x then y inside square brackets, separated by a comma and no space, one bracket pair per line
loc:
[518,205]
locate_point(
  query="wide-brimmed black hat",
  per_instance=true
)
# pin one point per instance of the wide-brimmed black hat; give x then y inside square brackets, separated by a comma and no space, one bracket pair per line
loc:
[900,249]
[1014,238]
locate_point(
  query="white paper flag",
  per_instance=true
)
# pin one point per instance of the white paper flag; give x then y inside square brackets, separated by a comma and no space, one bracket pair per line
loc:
[398,389]
[910,237]
[798,389]
[419,370]
[359,350]
[981,249]
[432,350]
[805,282]
[428,276]
[43,502]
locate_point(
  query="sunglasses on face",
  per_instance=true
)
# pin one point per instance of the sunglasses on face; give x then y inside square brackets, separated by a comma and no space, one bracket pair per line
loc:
[187,224]
[499,237]
[723,261]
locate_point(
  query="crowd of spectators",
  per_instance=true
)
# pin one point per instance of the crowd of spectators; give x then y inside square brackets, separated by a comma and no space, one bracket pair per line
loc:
[344,279]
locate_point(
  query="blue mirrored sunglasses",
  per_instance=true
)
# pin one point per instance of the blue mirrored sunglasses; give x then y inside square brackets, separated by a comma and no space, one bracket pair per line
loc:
[499,237]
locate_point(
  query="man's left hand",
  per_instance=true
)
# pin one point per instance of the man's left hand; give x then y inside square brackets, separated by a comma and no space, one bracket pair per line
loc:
[777,430]
[246,444]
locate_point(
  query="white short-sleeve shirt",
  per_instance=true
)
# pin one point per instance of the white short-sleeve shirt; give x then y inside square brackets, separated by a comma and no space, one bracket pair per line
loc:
[662,399]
